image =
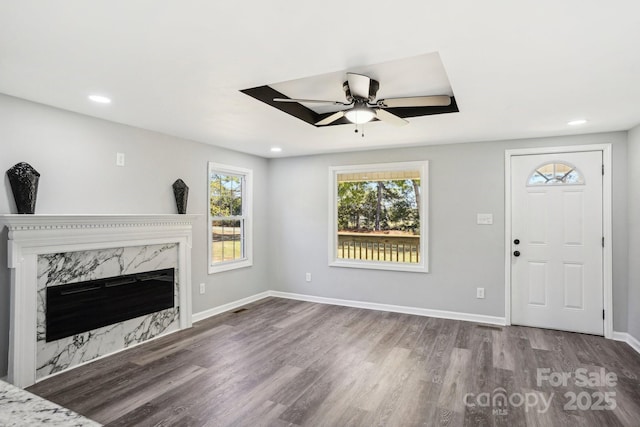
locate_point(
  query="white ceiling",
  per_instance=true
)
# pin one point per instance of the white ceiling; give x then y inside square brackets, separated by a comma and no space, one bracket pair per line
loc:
[517,68]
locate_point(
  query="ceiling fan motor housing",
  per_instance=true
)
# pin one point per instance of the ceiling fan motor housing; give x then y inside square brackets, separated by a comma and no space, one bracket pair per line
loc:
[374,85]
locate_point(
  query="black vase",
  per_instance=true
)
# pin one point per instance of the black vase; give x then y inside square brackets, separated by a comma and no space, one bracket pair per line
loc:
[181,192]
[24,185]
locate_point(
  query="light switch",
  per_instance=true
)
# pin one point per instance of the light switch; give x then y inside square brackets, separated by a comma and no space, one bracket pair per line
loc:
[119,159]
[484,219]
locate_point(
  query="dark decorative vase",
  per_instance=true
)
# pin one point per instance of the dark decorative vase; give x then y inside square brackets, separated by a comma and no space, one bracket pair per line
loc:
[24,185]
[181,191]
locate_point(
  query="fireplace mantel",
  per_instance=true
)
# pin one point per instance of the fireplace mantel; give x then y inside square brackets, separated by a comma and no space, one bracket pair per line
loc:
[31,236]
[20,222]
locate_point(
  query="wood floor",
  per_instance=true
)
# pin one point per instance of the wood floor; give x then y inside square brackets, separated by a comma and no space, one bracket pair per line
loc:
[286,363]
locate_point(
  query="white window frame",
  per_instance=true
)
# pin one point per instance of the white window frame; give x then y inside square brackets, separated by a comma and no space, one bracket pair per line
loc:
[423,265]
[247,216]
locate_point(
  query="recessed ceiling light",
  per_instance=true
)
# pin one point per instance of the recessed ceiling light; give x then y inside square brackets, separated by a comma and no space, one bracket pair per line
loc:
[276,149]
[577,122]
[100,99]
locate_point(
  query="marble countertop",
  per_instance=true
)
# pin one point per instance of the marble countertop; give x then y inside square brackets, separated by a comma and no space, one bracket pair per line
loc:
[21,408]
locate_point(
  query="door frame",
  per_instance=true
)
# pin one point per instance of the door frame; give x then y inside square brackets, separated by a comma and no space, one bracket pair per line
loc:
[607,266]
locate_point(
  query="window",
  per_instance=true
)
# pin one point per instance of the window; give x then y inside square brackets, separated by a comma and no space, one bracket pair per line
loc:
[229,217]
[554,174]
[378,216]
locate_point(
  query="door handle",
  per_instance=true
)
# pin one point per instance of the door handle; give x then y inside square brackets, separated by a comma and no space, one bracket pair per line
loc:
[516,253]
[516,242]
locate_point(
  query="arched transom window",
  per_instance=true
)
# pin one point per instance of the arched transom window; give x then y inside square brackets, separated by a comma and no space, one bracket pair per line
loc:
[556,173]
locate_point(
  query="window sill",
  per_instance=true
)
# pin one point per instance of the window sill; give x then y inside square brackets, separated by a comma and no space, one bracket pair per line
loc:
[372,265]
[231,265]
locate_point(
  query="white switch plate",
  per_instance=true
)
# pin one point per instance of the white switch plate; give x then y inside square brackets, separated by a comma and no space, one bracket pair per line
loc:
[480,293]
[484,219]
[119,159]
[202,288]
[308,277]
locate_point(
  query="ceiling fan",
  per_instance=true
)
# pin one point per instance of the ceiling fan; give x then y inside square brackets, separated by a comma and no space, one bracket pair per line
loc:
[360,92]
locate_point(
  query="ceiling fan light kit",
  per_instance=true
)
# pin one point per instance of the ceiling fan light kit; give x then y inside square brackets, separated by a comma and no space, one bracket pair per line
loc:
[360,114]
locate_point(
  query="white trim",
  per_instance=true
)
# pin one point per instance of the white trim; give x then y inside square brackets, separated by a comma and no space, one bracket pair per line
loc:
[21,222]
[441,314]
[633,342]
[377,265]
[418,311]
[229,306]
[607,230]
[507,237]
[619,336]
[560,149]
[423,265]
[247,217]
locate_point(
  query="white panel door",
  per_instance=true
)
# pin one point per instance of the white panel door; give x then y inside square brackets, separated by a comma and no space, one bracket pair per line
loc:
[556,247]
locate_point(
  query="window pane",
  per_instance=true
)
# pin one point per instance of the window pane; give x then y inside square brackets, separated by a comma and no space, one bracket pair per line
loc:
[378,216]
[554,174]
[225,194]
[227,240]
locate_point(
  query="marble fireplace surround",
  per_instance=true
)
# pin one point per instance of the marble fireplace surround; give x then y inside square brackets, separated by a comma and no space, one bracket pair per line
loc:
[30,237]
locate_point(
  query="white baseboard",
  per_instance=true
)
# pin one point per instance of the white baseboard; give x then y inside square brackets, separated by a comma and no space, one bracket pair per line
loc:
[453,315]
[196,317]
[633,342]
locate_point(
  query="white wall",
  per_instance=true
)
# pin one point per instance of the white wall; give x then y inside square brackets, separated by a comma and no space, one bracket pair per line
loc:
[634,232]
[465,179]
[75,156]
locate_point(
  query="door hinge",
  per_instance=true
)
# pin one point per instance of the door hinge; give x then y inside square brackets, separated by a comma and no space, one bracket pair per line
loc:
[602,169]
[603,242]
[602,314]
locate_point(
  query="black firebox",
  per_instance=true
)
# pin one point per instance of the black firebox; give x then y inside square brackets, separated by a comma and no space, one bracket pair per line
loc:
[83,306]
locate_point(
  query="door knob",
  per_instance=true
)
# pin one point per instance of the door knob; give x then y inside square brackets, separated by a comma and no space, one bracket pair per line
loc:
[516,253]
[516,242]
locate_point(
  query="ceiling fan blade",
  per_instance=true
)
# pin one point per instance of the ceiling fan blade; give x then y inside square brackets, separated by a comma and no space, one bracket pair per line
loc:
[330,119]
[359,85]
[416,101]
[388,117]
[308,101]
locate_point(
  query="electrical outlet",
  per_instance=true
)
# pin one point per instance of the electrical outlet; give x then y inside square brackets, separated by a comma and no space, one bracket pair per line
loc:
[119,159]
[480,293]
[308,277]
[202,288]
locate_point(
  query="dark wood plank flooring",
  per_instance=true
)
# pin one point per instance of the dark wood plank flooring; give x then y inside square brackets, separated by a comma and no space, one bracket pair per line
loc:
[288,363]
